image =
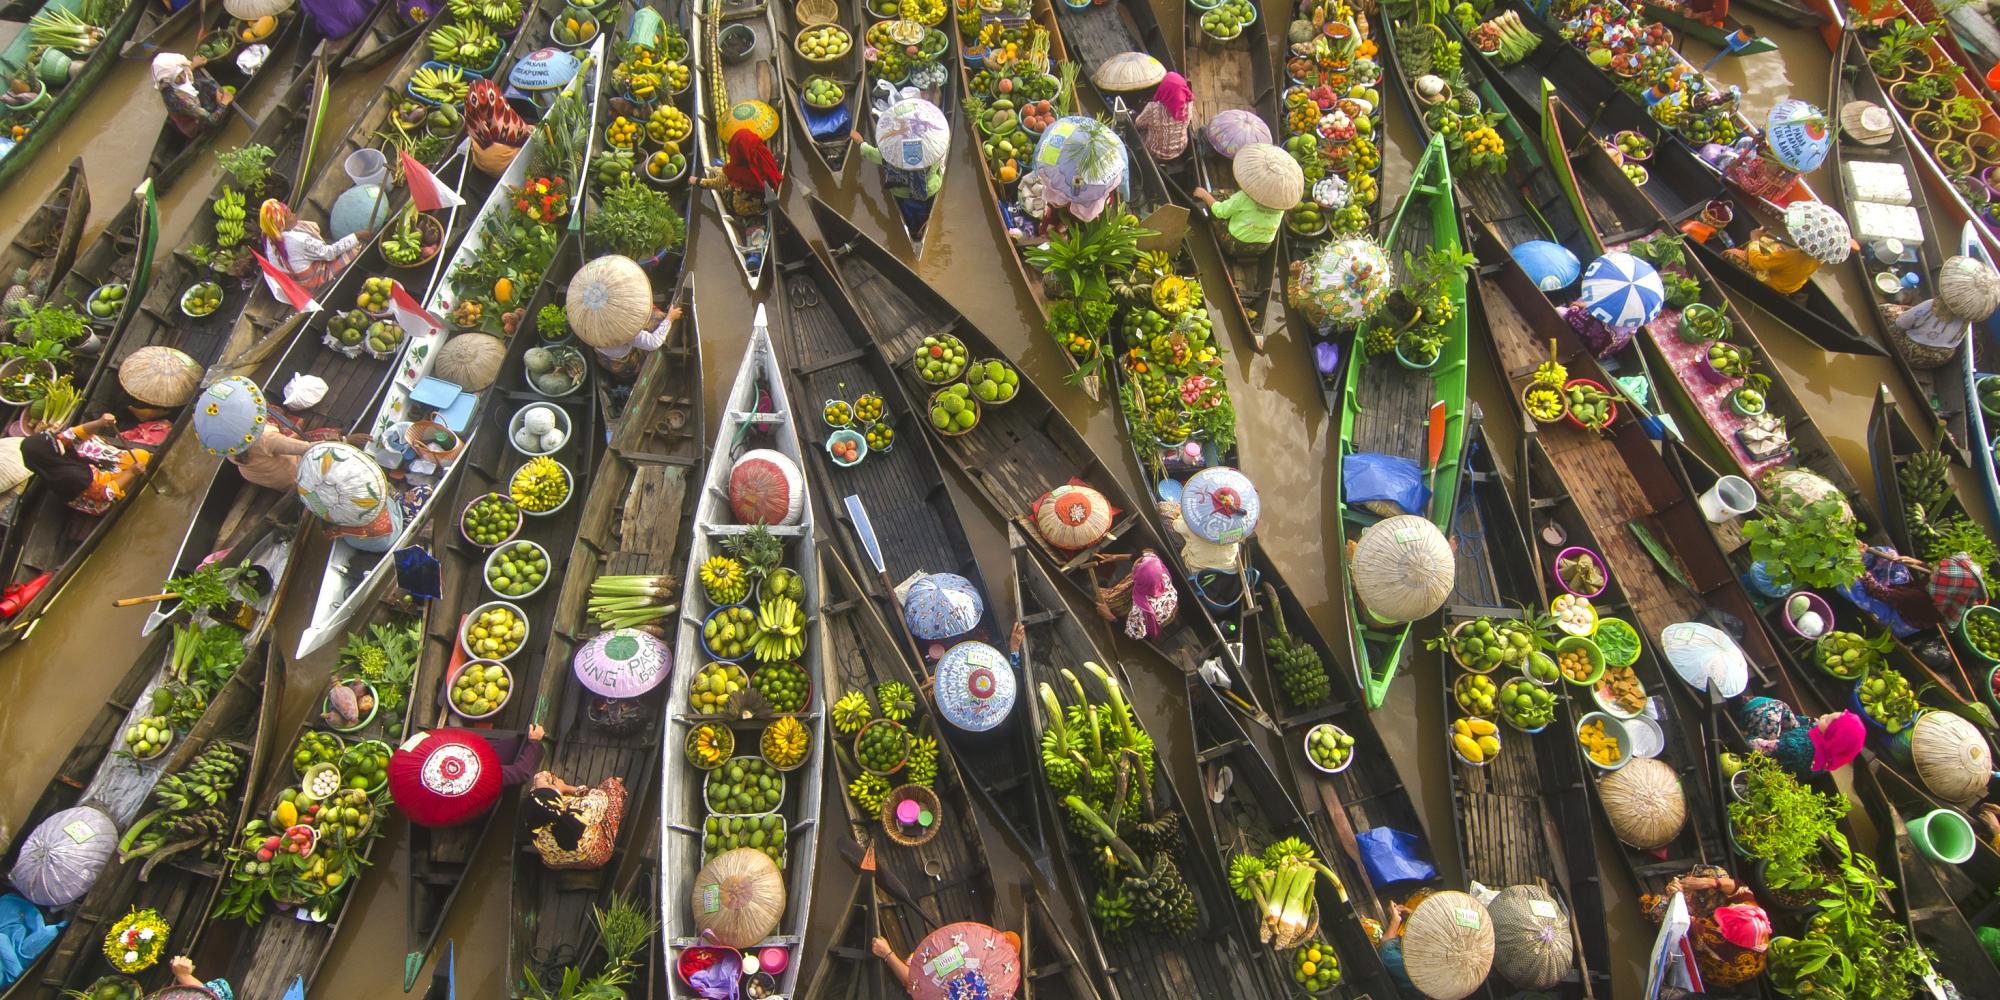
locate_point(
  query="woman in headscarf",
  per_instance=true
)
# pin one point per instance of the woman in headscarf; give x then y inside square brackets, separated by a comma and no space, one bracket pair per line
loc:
[750,173]
[1154,599]
[1799,744]
[194,102]
[297,247]
[573,826]
[80,466]
[1728,930]
[1815,235]
[1163,122]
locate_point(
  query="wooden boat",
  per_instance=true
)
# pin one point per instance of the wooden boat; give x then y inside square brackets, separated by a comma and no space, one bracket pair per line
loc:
[1096,32]
[1383,408]
[1918,892]
[1716,31]
[439,860]
[898,900]
[387,32]
[1790,13]
[1939,389]
[666,265]
[1680,184]
[757,414]
[720,85]
[1248,809]
[41,251]
[175,151]
[947,94]
[1020,451]
[632,521]
[1213,959]
[182,887]
[1524,818]
[43,130]
[1001,204]
[354,385]
[293,942]
[1981,358]
[350,574]
[1226,75]
[905,527]
[827,132]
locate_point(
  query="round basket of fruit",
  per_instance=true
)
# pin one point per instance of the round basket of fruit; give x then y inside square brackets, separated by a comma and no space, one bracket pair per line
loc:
[489,521]
[837,412]
[541,487]
[316,746]
[346,332]
[538,429]
[1574,615]
[495,630]
[1606,744]
[912,815]
[1580,661]
[724,832]
[993,381]
[1526,705]
[481,688]
[940,359]
[847,447]
[785,743]
[365,765]
[1476,742]
[823,43]
[1226,21]
[744,786]
[880,436]
[710,745]
[717,684]
[667,167]
[785,687]
[105,302]
[1316,967]
[1329,748]
[882,746]
[347,818]
[373,298]
[823,92]
[1541,668]
[201,299]
[1979,627]
[381,339]
[1885,701]
[954,412]
[517,570]
[149,737]
[727,632]
[1475,694]
[351,711]
[1481,644]
[1630,145]
[414,242]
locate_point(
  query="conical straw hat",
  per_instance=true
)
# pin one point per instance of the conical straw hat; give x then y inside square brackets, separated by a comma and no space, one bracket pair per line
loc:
[1969,287]
[610,300]
[1129,71]
[1073,516]
[1448,945]
[1269,175]
[160,376]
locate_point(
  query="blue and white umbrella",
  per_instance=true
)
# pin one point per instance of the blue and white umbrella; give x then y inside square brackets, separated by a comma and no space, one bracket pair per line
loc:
[942,605]
[975,686]
[1220,504]
[229,415]
[1622,290]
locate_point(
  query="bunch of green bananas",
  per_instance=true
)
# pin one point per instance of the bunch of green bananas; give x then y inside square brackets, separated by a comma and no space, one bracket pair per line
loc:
[206,780]
[467,43]
[922,766]
[229,216]
[897,700]
[780,631]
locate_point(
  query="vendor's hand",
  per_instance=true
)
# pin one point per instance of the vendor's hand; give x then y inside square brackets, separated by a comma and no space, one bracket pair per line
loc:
[1204,195]
[364,235]
[674,313]
[1018,635]
[182,965]
[224,97]
[855,134]
[535,732]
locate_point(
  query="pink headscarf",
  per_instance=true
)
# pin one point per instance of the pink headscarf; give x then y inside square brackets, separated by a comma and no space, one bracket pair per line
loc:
[1175,96]
[1154,599]
[1744,925]
[1837,742]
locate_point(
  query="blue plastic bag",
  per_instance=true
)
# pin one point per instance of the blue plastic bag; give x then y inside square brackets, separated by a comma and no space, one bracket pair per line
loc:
[417,572]
[1390,856]
[1367,476]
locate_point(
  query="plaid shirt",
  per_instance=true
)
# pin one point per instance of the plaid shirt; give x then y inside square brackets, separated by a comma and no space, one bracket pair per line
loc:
[1955,586]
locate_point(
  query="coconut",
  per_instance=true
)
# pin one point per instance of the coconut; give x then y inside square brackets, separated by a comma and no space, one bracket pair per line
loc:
[540,419]
[554,439]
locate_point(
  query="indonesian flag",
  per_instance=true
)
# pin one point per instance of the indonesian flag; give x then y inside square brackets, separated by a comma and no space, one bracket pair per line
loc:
[426,191]
[286,287]
[411,315]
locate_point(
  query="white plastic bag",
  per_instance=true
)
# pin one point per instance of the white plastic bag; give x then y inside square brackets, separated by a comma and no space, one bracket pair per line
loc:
[303,391]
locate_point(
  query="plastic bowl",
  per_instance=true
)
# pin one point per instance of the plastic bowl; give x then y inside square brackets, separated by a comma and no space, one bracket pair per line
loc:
[1571,600]
[1556,572]
[306,780]
[1508,720]
[466,626]
[506,696]
[1621,627]
[1610,707]
[562,423]
[1458,686]
[1965,630]
[1307,743]
[843,435]
[1612,727]
[1539,655]
[486,571]
[326,705]
[191,314]
[710,653]
[1453,744]
[568,477]
[1572,642]
[1814,603]
[467,509]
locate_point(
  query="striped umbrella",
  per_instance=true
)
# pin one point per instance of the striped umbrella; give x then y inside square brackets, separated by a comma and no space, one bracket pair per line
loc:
[1622,290]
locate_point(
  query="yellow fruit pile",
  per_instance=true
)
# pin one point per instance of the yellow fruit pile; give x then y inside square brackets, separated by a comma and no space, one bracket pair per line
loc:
[1477,740]
[1599,745]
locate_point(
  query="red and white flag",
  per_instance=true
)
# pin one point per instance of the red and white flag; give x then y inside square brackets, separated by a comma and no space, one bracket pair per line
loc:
[426,191]
[411,315]
[286,287]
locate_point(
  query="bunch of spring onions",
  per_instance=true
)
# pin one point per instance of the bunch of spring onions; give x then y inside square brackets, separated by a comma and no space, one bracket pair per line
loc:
[632,601]
[57,28]
[1280,881]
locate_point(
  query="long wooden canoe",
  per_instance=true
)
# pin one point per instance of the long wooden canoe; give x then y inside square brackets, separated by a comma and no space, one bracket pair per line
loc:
[666,264]
[826,132]
[1095,32]
[46,126]
[1943,902]
[41,251]
[1707,28]
[1383,407]
[634,520]
[1235,75]
[757,414]
[946,94]
[720,86]
[175,151]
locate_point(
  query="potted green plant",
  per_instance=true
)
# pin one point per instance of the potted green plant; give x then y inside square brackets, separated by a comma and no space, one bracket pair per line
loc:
[249,166]
[1779,819]
[1984,146]
[40,345]
[552,324]
[1747,400]
[1800,544]
[1932,125]
[635,220]
[1954,157]
[1417,349]
[1911,95]
[1701,322]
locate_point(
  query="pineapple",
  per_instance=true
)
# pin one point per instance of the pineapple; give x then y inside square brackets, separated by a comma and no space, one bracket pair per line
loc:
[760,551]
[724,581]
[1468,102]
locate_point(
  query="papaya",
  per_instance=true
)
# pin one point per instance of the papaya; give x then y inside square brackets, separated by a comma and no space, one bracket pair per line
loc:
[503,290]
[1481,727]
[288,814]
[1468,748]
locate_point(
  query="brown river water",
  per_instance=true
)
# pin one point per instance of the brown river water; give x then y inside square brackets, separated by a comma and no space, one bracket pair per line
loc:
[50,686]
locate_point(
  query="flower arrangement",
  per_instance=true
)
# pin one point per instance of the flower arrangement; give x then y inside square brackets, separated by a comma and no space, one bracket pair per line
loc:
[543,199]
[137,940]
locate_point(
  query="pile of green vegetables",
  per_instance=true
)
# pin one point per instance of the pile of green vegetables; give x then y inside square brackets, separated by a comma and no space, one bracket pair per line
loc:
[386,658]
[1280,881]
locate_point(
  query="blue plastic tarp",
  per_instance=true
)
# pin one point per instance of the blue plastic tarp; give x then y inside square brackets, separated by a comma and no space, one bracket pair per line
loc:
[1390,856]
[1366,476]
[23,936]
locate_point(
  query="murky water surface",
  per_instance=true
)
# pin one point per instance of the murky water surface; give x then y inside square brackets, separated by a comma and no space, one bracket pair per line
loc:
[49,686]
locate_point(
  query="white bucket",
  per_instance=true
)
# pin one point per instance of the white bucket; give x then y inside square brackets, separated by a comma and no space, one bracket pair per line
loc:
[367,166]
[1730,497]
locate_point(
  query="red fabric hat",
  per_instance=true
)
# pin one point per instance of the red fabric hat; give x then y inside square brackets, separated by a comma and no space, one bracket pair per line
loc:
[445,777]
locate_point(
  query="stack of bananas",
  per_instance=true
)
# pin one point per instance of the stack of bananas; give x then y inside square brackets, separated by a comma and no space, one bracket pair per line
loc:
[780,631]
[229,215]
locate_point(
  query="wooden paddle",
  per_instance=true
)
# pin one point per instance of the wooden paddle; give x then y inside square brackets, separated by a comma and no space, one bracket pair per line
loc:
[1436,448]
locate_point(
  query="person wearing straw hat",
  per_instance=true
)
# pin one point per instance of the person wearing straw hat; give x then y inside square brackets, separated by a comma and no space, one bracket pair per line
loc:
[81,466]
[1163,122]
[1729,930]
[1269,182]
[1815,235]
[194,101]
[1390,948]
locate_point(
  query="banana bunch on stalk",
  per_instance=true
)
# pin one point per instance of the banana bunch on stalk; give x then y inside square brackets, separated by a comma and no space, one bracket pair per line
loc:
[189,813]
